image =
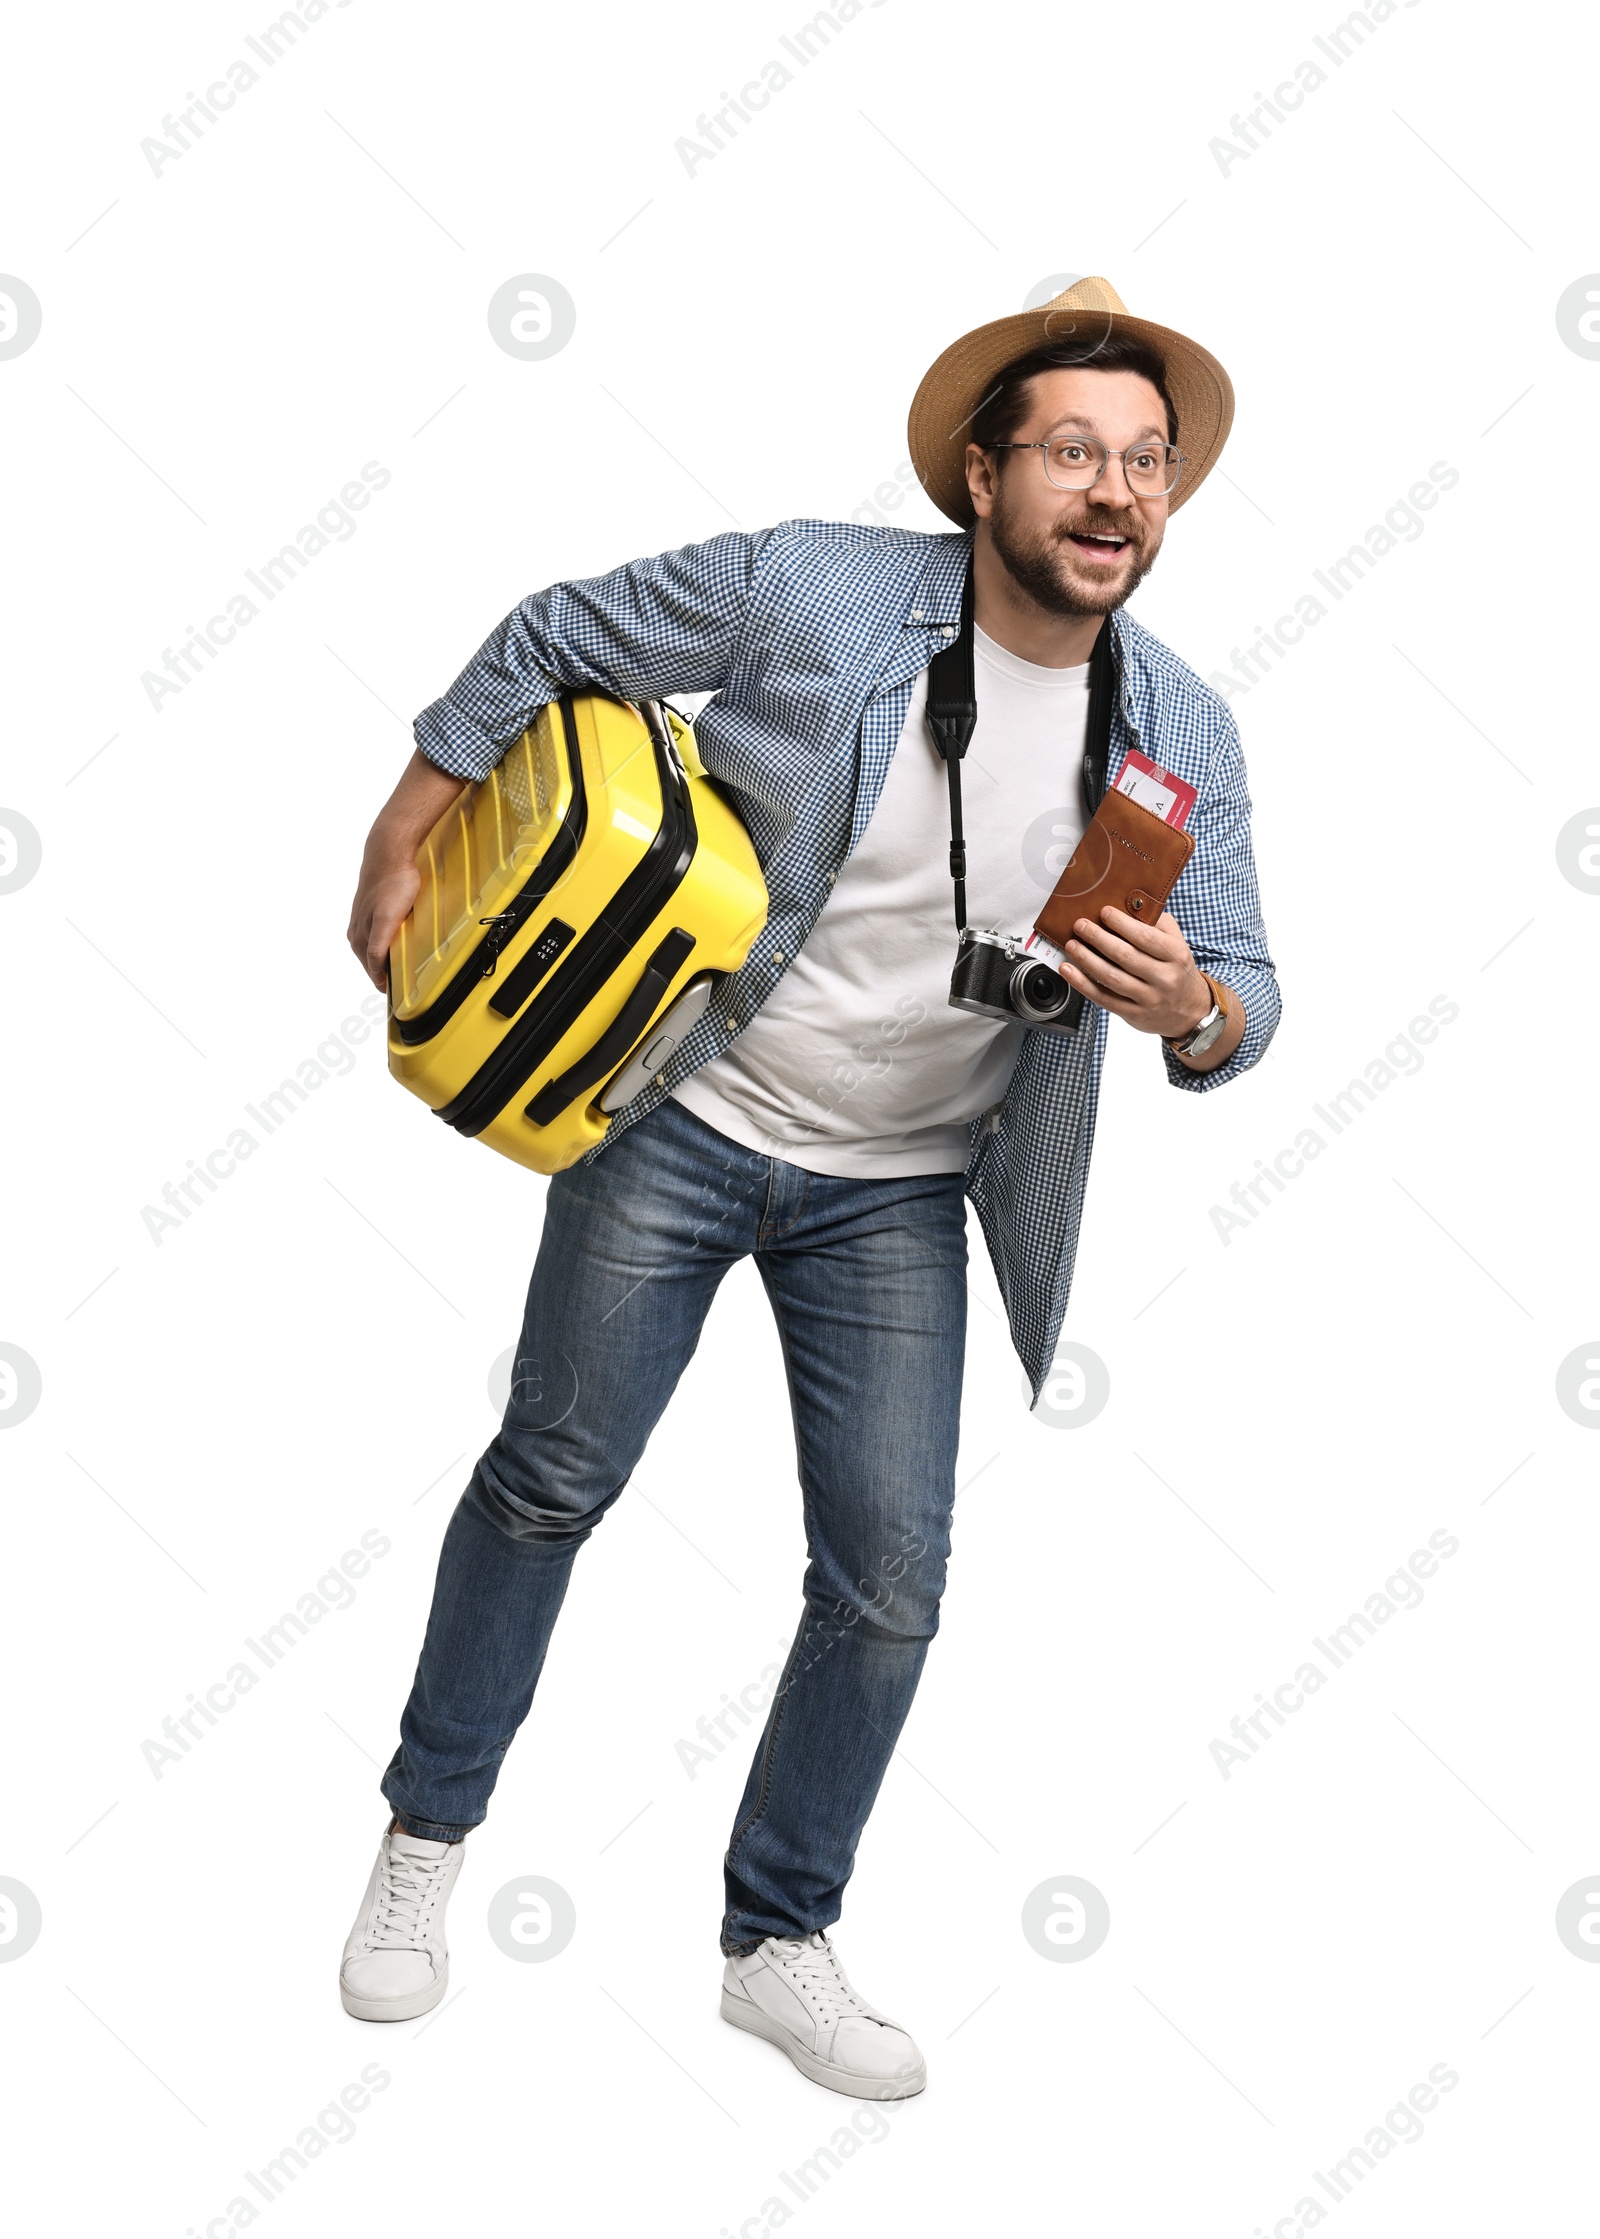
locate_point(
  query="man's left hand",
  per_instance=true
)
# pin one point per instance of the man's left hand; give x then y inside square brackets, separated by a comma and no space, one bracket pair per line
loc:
[1145,973]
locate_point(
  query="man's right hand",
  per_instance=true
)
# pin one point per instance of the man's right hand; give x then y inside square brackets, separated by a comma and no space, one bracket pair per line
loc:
[389,879]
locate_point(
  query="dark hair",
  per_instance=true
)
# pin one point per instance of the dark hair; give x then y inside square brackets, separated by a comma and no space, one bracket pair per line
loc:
[1005,407]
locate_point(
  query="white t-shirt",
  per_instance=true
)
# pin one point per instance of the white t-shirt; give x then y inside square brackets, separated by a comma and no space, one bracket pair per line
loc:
[857,1063]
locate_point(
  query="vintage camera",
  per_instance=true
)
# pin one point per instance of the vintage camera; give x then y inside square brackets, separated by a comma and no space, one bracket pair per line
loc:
[997,977]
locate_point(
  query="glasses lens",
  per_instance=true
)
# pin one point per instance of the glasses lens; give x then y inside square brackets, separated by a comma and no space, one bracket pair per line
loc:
[1151,468]
[1074,461]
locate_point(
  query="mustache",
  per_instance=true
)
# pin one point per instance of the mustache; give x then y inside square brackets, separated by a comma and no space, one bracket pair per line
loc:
[1104,523]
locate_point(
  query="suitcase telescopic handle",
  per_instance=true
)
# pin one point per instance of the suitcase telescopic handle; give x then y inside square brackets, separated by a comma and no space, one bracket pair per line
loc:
[655,718]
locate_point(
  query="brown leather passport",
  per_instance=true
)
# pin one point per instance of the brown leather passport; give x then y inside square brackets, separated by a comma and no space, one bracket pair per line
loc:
[1127,857]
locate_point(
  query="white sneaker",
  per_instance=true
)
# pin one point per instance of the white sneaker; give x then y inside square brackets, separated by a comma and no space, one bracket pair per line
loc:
[396,1963]
[793,1991]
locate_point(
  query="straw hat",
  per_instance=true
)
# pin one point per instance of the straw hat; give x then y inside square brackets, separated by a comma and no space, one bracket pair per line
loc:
[1085,315]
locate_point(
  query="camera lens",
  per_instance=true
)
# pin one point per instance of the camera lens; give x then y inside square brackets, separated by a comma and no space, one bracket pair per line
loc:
[1039,992]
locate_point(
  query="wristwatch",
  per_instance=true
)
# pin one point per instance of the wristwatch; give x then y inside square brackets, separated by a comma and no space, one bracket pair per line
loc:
[1202,1037]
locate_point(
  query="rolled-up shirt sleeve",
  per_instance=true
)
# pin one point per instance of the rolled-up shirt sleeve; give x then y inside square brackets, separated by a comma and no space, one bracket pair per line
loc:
[1217,904]
[655,626]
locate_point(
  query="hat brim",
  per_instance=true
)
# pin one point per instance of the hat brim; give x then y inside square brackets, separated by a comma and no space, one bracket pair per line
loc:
[960,378]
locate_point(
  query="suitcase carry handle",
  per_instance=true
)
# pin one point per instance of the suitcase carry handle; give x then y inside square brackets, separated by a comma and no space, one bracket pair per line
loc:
[659,1043]
[619,1037]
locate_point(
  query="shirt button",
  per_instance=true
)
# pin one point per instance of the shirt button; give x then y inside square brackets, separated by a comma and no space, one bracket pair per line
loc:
[946,630]
[916,614]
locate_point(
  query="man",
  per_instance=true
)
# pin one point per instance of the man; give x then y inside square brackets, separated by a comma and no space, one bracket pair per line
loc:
[832,1111]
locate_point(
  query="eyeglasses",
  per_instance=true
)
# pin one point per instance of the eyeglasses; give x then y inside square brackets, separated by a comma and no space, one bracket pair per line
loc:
[1076,462]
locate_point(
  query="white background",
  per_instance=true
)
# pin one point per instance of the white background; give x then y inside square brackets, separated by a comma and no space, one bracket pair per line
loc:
[307,1357]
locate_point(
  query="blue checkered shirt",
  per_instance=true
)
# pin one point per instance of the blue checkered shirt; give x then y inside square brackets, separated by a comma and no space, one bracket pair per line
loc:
[811,635]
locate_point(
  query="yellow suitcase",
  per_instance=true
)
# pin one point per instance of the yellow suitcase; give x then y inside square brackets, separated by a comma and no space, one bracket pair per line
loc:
[577,910]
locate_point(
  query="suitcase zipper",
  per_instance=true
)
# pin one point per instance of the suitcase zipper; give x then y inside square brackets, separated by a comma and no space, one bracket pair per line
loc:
[500,931]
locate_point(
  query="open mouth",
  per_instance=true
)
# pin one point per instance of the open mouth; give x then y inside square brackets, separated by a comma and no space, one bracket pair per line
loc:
[1099,548]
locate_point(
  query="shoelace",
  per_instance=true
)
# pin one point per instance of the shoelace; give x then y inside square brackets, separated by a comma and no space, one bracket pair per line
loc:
[812,1965]
[405,1887]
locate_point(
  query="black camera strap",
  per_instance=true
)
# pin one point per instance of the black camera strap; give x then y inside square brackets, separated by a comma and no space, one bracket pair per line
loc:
[953,716]
[952,719]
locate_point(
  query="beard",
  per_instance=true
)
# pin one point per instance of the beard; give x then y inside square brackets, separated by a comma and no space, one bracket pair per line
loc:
[1041,562]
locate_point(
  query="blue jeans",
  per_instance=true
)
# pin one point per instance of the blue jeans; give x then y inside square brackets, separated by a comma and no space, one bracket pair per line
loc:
[868,1287]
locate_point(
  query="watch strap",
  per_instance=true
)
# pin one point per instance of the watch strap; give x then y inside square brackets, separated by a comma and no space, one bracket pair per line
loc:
[1180,1044]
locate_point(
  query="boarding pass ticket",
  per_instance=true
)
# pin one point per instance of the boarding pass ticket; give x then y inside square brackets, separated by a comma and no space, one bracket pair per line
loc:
[1046,951]
[1171,798]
